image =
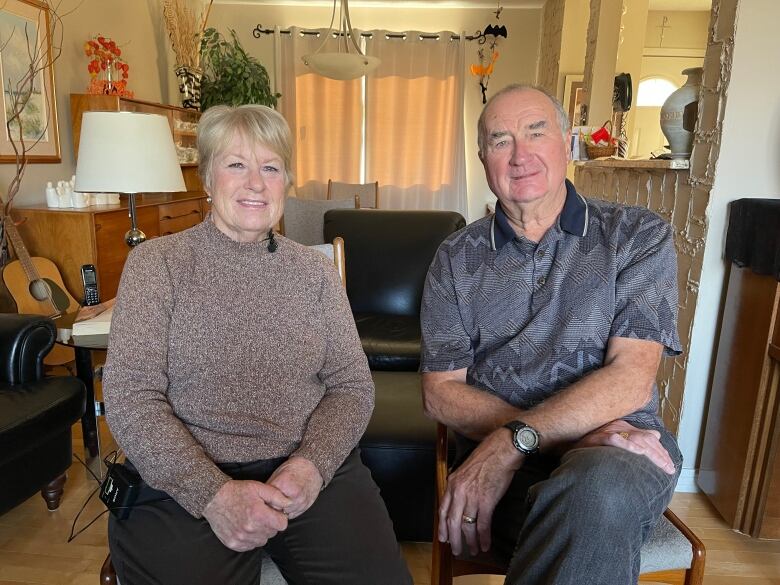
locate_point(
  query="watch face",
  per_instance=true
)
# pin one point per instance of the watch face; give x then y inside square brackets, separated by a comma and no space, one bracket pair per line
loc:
[527,439]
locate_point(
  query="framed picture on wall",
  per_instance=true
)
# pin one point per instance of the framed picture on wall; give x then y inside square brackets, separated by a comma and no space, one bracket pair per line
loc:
[573,97]
[25,37]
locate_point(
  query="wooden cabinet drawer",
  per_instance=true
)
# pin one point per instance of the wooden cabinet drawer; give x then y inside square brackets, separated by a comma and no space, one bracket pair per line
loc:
[177,224]
[179,209]
[110,243]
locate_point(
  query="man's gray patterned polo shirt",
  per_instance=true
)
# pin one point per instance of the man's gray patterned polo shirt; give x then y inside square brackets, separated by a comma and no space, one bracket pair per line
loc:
[529,319]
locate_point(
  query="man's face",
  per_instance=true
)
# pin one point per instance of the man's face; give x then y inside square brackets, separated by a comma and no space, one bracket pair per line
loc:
[526,154]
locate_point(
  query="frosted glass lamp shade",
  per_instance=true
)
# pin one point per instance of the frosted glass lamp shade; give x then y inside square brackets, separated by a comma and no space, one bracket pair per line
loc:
[341,65]
[127,152]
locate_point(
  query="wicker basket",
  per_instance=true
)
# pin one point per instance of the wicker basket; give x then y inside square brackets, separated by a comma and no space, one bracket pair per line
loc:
[600,151]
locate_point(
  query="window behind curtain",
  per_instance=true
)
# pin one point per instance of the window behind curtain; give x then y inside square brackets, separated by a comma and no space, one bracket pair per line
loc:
[325,116]
[329,134]
[414,121]
[413,117]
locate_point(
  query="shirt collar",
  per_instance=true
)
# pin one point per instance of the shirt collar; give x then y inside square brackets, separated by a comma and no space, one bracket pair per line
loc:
[573,219]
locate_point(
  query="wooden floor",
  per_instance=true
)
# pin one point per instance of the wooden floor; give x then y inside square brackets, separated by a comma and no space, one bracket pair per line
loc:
[34,548]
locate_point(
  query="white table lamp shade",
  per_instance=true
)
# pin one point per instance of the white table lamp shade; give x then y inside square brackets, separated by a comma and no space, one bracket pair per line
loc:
[127,152]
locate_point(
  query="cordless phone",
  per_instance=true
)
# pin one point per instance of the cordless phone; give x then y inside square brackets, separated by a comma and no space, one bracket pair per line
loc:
[89,280]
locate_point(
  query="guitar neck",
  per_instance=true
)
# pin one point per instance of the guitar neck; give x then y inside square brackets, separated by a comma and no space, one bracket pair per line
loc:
[21,250]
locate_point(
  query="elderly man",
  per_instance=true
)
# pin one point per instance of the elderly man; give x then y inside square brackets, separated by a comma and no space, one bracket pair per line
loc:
[543,327]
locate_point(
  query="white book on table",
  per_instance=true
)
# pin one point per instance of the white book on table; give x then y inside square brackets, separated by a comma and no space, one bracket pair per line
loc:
[98,325]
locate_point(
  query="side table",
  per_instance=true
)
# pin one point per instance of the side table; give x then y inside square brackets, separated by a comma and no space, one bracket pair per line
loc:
[83,346]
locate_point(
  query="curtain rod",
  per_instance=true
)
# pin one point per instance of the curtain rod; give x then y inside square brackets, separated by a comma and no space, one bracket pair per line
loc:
[269,31]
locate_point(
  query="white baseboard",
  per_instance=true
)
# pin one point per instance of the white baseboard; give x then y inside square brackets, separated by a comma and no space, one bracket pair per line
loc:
[687,481]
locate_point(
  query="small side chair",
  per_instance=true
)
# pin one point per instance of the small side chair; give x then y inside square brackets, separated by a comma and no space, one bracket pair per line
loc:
[366,194]
[335,252]
[302,221]
[673,554]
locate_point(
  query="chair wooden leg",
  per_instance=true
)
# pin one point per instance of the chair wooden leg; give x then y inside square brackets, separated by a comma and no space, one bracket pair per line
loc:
[667,577]
[107,572]
[52,492]
[694,575]
[441,563]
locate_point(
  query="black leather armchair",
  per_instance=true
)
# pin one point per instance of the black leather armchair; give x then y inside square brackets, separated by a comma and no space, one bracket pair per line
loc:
[36,413]
[387,255]
[387,258]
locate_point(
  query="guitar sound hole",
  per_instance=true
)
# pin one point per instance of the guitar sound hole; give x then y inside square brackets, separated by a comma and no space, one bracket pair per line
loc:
[44,288]
[39,290]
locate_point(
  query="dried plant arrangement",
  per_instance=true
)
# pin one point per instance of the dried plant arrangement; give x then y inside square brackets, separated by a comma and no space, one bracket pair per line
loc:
[185,30]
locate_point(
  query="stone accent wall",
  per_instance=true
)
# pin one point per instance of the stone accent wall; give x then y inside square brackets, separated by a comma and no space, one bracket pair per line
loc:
[590,48]
[550,49]
[712,103]
[669,194]
[680,197]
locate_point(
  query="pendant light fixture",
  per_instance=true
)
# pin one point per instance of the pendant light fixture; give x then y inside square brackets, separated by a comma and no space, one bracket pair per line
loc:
[342,64]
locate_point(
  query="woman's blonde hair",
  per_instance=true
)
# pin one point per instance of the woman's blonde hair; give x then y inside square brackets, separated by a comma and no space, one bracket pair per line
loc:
[256,124]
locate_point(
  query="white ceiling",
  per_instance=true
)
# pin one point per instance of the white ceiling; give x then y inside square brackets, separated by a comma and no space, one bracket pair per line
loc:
[665,5]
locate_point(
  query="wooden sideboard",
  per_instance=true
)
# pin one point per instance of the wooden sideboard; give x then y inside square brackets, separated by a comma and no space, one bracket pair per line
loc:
[740,465]
[96,234]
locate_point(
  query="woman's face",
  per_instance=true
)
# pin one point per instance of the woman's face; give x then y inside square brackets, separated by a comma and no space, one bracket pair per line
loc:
[247,191]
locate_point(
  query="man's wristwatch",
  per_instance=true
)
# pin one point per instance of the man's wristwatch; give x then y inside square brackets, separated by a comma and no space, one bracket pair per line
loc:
[525,438]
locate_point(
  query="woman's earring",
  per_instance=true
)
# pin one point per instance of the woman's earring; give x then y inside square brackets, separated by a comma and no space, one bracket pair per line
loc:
[209,199]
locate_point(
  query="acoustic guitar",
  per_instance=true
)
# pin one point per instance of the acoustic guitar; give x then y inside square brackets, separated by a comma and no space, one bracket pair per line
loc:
[36,285]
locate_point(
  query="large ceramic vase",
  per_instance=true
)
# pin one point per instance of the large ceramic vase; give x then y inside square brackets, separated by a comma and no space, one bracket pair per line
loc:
[189,86]
[678,114]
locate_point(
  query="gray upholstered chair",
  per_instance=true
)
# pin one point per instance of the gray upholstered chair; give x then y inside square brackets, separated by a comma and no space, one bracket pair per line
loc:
[270,574]
[366,194]
[303,218]
[673,554]
[335,252]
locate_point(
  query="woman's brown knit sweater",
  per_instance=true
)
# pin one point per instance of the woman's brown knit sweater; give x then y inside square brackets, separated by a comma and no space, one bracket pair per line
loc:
[222,351]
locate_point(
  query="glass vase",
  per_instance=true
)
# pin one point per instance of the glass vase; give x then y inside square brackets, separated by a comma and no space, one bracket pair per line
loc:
[110,78]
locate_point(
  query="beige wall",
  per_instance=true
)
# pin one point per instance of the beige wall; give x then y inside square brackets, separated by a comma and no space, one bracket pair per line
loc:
[517,61]
[601,58]
[684,29]
[134,25]
[575,35]
[631,46]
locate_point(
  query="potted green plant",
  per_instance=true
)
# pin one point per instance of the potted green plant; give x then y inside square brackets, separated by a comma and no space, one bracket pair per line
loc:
[230,75]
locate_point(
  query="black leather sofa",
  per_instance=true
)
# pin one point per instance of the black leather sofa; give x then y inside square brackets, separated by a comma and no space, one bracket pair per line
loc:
[36,413]
[387,257]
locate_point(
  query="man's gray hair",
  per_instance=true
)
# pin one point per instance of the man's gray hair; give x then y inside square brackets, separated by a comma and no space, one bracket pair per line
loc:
[563,118]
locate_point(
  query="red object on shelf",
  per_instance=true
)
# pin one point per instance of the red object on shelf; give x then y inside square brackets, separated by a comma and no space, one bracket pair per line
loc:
[601,135]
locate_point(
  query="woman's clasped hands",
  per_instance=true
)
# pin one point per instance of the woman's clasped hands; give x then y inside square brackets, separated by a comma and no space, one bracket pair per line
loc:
[246,514]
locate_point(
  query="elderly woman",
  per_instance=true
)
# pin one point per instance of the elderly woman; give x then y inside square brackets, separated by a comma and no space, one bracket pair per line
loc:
[238,389]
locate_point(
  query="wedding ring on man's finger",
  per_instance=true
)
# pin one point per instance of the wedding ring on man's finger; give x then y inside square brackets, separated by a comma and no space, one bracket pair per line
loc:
[469,519]
[625,435]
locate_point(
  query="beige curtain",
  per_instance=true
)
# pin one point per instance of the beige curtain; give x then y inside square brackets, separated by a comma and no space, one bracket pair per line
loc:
[325,116]
[414,121]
